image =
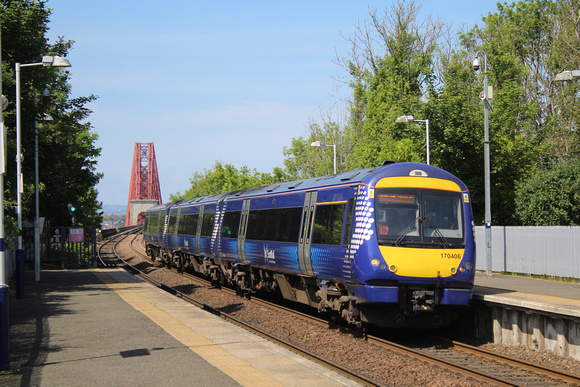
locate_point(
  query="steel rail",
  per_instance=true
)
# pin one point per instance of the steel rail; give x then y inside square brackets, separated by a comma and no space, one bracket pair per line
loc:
[431,359]
[329,364]
[536,368]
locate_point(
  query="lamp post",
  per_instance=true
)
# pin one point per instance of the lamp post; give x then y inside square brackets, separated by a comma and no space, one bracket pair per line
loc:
[406,119]
[567,75]
[487,167]
[47,61]
[322,144]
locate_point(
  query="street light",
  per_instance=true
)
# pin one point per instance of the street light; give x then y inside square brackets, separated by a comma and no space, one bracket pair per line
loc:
[47,61]
[567,75]
[486,95]
[406,119]
[322,144]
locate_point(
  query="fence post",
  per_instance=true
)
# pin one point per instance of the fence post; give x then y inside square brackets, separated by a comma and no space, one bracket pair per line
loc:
[63,248]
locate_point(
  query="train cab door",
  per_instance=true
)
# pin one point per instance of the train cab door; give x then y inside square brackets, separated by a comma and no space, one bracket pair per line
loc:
[198,230]
[306,233]
[242,231]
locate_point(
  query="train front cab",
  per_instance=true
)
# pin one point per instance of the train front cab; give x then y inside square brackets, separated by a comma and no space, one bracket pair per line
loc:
[421,263]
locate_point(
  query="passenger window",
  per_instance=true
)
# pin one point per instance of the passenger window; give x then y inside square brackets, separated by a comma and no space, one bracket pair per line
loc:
[188,224]
[171,225]
[231,224]
[207,224]
[328,224]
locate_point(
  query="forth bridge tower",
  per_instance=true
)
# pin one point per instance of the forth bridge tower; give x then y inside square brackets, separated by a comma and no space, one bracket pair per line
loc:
[144,191]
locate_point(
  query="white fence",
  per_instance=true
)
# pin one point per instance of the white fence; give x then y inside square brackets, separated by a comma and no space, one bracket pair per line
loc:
[553,251]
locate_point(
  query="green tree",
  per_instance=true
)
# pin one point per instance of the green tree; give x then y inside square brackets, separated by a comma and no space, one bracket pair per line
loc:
[304,161]
[67,152]
[391,67]
[224,178]
[551,196]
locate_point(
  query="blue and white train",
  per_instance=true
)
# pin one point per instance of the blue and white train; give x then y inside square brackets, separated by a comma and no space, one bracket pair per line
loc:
[390,246]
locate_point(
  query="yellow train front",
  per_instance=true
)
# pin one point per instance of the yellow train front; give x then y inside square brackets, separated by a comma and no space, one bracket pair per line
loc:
[412,251]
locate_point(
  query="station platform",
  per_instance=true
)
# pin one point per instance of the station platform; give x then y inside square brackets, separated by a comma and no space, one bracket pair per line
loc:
[547,296]
[105,327]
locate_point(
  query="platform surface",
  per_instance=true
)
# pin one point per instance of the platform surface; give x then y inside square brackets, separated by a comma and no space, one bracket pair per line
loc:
[104,327]
[547,296]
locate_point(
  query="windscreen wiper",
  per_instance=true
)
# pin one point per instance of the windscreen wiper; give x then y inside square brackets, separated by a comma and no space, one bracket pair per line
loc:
[439,235]
[404,233]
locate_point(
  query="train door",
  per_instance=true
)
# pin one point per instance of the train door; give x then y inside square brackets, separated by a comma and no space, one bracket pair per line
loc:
[165,226]
[242,231]
[306,232]
[198,231]
[176,229]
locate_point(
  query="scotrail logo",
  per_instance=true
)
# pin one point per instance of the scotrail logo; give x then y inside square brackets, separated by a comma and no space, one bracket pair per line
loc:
[269,255]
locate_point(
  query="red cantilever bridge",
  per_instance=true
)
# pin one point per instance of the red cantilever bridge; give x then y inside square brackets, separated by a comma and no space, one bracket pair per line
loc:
[144,191]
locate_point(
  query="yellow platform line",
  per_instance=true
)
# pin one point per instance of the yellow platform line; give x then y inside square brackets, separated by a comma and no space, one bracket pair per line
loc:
[238,370]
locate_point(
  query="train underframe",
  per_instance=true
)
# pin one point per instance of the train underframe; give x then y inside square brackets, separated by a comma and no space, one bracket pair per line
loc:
[418,307]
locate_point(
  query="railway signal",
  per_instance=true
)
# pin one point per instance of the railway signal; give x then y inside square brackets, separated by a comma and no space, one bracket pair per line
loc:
[72,211]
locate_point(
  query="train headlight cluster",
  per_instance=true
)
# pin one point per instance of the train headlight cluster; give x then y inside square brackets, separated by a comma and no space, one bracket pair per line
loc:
[375,262]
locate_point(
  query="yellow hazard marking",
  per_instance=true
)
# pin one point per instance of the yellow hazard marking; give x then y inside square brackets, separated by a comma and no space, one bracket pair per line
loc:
[232,366]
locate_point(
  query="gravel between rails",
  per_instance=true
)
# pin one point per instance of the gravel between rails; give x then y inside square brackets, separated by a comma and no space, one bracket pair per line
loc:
[380,364]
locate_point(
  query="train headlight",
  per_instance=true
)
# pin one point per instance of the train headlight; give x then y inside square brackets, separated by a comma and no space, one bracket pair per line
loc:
[453,270]
[375,262]
[393,268]
[468,265]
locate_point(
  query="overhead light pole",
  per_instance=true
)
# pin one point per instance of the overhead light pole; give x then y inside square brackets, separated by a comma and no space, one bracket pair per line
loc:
[322,144]
[487,166]
[47,61]
[406,119]
[567,75]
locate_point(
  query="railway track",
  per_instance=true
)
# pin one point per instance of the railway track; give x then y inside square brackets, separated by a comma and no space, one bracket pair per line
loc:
[357,377]
[482,367]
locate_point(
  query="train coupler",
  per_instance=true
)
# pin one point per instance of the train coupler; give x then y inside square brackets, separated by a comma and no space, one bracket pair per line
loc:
[423,300]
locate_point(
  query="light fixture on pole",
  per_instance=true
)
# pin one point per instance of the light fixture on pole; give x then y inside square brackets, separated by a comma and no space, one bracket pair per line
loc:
[47,61]
[322,144]
[487,166]
[567,75]
[406,119]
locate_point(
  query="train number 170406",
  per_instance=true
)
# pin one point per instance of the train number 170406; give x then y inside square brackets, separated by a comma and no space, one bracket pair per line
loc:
[450,256]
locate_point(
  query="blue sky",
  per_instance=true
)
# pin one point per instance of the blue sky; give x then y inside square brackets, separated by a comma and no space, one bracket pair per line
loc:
[225,80]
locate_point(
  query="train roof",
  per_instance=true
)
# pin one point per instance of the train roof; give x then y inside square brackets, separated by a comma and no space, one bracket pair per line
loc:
[351,177]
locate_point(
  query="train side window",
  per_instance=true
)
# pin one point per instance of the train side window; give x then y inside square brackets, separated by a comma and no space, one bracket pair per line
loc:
[288,228]
[257,225]
[188,224]
[207,224]
[171,224]
[328,224]
[231,224]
